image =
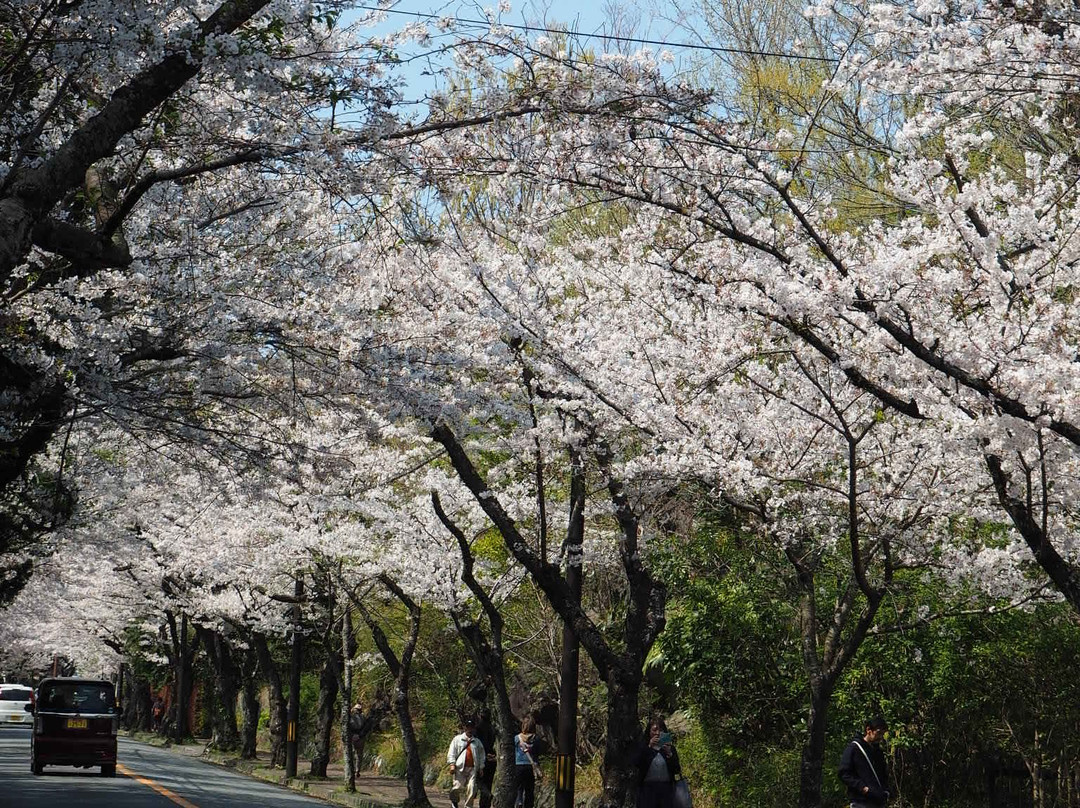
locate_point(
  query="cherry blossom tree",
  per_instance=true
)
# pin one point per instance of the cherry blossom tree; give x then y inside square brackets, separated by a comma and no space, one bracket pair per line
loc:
[952,308]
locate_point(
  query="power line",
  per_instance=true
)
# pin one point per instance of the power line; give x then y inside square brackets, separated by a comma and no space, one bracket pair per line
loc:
[610,37]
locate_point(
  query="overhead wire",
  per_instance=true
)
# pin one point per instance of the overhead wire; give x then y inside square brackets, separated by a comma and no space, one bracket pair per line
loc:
[539,29]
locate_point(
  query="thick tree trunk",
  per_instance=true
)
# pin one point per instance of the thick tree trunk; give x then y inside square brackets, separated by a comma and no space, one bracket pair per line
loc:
[506,727]
[623,738]
[278,704]
[812,760]
[414,767]
[345,686]
[226,687]
[249,710]
[182,657]
[324,712]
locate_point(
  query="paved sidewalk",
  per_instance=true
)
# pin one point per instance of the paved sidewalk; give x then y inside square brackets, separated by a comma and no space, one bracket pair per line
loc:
[372,790]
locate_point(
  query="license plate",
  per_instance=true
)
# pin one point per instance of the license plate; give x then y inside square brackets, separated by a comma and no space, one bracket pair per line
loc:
[76,723]
[15,718]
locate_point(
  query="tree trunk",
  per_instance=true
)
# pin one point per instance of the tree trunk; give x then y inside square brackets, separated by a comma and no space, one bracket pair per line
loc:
[414,773]
[490,660]
[184,650]
[623,738]
[506,727]
[1038,793]
[324,712]
[345,685]
[324,716]
[139,705]
[400,667]
[225,737]
[363,724]
[812,761]
[643,622]
[250,708]
[278,704]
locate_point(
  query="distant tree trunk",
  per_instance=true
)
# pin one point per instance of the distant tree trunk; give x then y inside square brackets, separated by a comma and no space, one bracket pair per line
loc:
[250,709]
[225,737]
[328,692]
[183,645]
[279,706]
[1035,766]
[345,685]
[139,704]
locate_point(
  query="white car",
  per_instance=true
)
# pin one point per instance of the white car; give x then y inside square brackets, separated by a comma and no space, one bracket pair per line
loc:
[13,701]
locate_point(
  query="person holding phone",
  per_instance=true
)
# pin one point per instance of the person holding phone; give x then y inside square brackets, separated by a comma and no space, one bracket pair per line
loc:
[658,768]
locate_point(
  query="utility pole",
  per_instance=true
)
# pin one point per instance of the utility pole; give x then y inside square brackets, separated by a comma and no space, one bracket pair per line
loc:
[568,669]
[291,740]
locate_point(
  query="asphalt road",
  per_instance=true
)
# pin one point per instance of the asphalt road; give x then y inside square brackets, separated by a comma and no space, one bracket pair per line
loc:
[146,777]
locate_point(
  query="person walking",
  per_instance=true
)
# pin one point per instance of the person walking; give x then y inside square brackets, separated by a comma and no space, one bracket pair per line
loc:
[465,757]
[863,769]
[157,714]
[526,771]
[658,768]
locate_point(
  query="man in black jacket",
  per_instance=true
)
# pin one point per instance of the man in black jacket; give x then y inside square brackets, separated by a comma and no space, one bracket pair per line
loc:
[862,767]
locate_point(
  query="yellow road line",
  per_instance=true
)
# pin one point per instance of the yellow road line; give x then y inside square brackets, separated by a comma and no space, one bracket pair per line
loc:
[160,789]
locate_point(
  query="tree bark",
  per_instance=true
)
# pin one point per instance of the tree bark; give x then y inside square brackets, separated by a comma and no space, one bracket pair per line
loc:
[278,704]
[324,711]
[225,736]
[623,737]
[182,656]
[250,708]
[812,759]
[345,685]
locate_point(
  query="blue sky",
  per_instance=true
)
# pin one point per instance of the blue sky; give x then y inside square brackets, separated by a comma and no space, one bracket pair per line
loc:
[589,20]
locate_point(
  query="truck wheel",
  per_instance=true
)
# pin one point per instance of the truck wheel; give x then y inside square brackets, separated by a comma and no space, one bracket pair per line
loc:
[36,768]
[108,770]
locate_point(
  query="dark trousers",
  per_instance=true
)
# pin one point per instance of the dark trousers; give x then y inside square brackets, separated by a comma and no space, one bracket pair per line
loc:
[525,782]
[656,795]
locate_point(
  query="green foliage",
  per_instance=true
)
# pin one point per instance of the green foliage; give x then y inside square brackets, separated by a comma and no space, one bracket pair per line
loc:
[730,656]
[971,698]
